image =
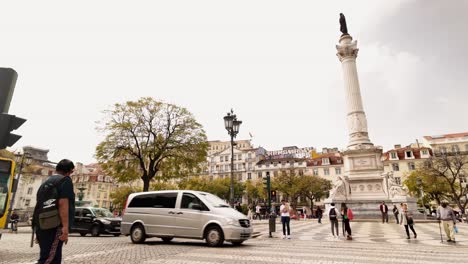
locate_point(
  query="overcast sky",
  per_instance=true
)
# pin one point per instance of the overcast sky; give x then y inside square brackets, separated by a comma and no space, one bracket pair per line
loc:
[274,62]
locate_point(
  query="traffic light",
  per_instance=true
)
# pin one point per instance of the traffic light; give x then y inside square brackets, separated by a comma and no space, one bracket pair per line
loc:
[273,195]
[7,124]
[8,78]
[266,181]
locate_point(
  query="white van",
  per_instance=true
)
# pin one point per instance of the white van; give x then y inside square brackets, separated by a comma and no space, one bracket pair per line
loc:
[184,214]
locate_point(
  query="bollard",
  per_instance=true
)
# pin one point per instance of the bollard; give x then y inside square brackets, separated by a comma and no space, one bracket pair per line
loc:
[272,224]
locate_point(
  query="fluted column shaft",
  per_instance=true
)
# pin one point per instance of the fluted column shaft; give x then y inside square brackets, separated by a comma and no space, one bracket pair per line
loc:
[356,117]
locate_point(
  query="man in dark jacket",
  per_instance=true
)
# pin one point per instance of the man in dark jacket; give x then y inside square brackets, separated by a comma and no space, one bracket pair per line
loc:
[51,240]
[384,211]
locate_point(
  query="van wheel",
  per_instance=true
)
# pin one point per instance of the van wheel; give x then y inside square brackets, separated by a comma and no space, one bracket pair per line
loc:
[137,234]
[82,233]
[95,230]
[214,236]
[237,243]
[167,239]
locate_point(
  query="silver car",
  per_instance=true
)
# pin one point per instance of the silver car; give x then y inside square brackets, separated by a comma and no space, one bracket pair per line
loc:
[184,214]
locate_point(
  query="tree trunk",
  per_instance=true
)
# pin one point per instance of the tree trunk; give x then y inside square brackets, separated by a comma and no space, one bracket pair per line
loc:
[146,184]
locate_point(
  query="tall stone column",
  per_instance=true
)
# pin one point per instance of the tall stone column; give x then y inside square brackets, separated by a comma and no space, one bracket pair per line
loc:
[356,117]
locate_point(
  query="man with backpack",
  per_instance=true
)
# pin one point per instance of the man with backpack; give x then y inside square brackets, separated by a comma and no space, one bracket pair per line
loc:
[333,215]
[54,213]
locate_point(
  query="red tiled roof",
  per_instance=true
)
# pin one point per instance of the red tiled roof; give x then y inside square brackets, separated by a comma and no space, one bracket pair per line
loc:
[401,153]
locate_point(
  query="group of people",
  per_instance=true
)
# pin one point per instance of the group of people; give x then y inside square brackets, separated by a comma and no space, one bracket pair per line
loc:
[346,214]
[445,214]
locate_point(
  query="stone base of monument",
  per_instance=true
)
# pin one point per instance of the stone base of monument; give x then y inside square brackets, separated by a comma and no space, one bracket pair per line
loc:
[370,209]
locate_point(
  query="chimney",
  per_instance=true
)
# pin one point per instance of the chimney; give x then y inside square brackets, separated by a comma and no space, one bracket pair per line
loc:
[397,146]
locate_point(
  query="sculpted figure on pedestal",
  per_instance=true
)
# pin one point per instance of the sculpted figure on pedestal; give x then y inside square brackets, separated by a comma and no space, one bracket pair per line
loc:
[343,26]
[392,188]
[339,189]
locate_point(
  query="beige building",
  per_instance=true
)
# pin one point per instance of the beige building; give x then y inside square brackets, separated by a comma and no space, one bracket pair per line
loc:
[401,161]
[95,186]
[245,158]
[35,170]
[457,142]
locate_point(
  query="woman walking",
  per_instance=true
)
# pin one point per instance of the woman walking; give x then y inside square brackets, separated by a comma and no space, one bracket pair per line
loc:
[347,216]
[285,218]
[407,220]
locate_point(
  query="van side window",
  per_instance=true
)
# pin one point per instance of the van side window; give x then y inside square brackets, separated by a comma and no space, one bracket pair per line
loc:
[154,200]
[165,200]
[189,199]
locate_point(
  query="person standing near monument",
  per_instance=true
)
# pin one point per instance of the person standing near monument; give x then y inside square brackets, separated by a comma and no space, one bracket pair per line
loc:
[257,212]
[347,214]
[319,214]
[384,212]
[447,216]
[333,215]
[285,219]
[407,220]
[396,213]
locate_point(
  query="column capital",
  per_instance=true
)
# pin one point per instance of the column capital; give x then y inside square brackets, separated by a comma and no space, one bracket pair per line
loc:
[347,49]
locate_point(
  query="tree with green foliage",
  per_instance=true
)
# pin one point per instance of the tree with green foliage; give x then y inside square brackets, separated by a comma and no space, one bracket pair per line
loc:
[148,138]
[120,195]
[289,184]
[453,169]
[315,187]
[254,190]
[434,188]
[218,186]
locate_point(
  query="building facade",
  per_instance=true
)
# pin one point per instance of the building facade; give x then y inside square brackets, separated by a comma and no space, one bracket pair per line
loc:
[401,161]
[454,143]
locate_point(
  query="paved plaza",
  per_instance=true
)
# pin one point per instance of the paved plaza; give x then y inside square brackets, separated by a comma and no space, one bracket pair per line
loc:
[311,242]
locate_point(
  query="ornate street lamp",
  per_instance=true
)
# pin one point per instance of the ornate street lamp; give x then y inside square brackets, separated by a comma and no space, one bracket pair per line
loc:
[81,193]
[421,191]
[232,126]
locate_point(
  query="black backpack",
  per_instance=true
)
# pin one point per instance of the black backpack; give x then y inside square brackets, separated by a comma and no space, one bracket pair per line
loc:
[46,214]
[333,214]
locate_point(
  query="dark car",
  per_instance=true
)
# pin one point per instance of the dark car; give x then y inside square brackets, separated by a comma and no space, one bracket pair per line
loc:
[95,221]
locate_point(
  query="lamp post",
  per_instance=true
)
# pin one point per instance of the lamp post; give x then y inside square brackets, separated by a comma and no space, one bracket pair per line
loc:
[21,158]
[420,185]
[81,193]
[232,126]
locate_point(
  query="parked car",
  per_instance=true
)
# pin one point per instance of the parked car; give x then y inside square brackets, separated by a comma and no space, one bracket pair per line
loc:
[185,214]
[95,221]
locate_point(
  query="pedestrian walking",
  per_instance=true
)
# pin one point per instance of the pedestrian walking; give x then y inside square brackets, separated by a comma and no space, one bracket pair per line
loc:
[257,212]
[52,232]
[447,216]
[347,214]
[304,211]
[285,219]
[333,215]
[396,213]
[407,220]
[319,214]
[384,212]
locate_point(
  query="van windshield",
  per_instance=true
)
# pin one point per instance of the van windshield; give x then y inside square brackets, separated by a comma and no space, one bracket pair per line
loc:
[214,200]
[101,212]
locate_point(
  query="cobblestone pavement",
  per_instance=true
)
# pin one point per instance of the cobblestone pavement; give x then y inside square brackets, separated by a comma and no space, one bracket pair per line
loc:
[311,243]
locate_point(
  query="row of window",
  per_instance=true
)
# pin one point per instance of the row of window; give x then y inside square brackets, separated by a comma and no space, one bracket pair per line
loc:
[218,147]
[454,149]
[411,166]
